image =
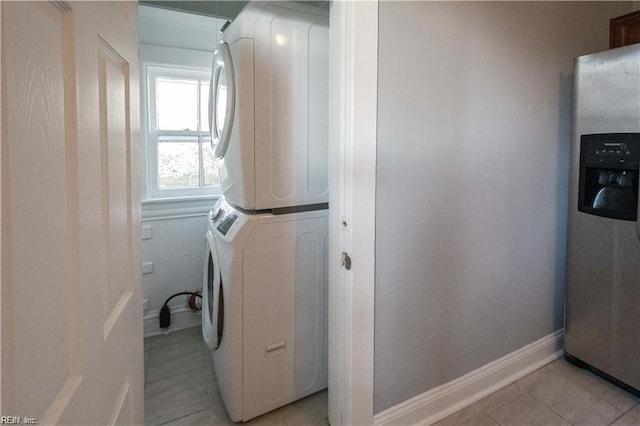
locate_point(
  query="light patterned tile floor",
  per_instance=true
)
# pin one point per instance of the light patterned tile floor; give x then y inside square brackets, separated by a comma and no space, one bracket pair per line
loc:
[180,387]
[557,394]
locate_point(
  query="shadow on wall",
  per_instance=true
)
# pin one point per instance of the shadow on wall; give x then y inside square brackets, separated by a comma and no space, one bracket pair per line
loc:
[565,88]
[219,9]
[228,9]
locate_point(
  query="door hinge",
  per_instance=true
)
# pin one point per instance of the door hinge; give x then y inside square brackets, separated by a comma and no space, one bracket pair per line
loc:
[346,261]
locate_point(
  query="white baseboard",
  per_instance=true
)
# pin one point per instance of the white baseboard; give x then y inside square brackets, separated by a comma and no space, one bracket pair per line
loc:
[438,403]
[181,318]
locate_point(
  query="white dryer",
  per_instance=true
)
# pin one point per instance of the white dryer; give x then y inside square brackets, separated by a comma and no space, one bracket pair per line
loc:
[264,304]
[269,106]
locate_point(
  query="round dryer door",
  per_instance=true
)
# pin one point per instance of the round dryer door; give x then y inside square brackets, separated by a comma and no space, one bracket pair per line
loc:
[222,99]
[212,296]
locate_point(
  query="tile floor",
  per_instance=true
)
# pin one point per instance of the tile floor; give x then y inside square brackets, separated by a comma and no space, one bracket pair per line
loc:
[557,394]
[180,389]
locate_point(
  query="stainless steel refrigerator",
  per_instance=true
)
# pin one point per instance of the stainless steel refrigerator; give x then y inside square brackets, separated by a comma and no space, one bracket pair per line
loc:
[602,311]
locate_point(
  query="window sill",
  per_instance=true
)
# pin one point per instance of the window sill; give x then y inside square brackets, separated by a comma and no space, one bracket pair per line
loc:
[177,207]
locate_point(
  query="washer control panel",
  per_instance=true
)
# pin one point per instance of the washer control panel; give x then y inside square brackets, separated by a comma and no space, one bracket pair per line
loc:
[225,223]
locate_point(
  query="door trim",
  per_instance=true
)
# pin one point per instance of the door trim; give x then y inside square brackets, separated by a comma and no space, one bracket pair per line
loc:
[352,183]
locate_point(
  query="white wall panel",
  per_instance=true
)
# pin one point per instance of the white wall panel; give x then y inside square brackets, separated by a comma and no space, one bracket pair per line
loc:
[177,252]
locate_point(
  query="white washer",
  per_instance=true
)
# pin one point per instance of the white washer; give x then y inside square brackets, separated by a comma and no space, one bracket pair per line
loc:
[264,304]
[269,106]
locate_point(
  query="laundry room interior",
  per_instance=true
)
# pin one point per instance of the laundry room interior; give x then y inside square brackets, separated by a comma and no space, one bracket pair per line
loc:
[473,136]
[256,218]
[348,212]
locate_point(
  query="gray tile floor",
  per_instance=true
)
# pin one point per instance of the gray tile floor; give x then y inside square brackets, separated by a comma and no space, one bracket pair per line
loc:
[557,394]
[180,387]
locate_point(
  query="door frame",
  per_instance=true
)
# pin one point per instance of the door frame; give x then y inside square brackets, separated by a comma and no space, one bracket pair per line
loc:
[352,189]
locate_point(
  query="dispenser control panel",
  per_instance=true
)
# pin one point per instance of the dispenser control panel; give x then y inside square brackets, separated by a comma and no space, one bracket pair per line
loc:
[619,150]
[608,180]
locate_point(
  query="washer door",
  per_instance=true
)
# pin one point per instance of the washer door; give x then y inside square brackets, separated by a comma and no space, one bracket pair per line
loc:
[222,99]
[212,296]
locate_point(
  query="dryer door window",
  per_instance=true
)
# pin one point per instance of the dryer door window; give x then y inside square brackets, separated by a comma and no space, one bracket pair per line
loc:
[221,99]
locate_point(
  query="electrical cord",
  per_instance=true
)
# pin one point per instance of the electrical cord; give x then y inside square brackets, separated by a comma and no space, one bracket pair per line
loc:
[165,312]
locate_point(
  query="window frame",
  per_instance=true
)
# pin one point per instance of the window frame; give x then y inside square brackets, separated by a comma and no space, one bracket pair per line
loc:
[154,134]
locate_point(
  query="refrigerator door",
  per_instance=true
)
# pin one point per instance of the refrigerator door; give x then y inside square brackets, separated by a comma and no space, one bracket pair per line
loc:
[602,310]
[222,99]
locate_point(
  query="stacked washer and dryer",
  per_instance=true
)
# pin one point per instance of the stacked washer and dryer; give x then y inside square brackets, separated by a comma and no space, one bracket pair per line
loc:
[265,272]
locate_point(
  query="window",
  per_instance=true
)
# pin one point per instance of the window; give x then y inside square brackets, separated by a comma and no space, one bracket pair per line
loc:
[181,161]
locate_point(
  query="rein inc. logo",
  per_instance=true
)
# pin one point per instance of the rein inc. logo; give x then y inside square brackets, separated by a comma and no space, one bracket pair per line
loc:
[18,420]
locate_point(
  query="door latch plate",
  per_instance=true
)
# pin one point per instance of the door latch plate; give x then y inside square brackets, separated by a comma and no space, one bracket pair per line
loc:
[346,261]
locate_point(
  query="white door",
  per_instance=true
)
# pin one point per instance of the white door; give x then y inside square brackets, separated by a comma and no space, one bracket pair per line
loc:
[71,306]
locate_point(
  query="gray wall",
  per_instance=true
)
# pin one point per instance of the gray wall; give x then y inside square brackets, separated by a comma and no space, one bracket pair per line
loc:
[474,128]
